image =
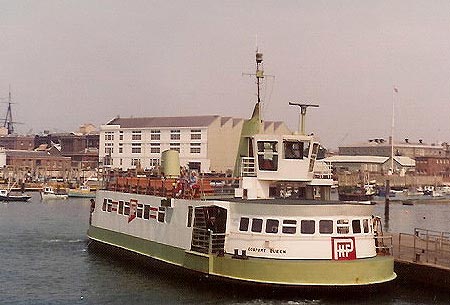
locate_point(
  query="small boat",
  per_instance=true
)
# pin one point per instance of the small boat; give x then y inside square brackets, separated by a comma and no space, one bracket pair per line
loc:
[83,191]
[49,193]
[355,194]
[6,195]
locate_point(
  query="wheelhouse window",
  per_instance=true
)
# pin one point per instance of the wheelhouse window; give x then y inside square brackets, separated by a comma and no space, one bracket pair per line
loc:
[243,224]
[343,226]
[293,149]
[289,226]
[325,226]
[120,207]
[268,155]
[272,226]
[308,226]
[257,225]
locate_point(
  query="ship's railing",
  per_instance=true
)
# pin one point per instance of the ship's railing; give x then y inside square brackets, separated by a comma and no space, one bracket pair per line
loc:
[205,241]
[205,187]
[323,170]
[425,246]
[248,167]
[384,245]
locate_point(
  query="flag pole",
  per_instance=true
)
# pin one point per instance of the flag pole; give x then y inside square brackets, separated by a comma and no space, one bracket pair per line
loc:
[392,128]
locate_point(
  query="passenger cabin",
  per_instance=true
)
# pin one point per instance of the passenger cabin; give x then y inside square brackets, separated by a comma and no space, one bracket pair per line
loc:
[283,166]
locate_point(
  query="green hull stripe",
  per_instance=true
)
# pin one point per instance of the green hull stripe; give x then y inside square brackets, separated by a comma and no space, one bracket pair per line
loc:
[284,272]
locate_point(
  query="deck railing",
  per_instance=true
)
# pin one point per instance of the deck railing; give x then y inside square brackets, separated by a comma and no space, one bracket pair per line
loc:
[248,168]
[425,246]
[384,245]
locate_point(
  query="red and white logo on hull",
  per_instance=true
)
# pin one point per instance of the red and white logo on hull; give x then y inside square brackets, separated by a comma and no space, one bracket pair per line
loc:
[343,248]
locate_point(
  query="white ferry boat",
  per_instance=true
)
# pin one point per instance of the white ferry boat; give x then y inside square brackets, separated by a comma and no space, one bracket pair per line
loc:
[278,227]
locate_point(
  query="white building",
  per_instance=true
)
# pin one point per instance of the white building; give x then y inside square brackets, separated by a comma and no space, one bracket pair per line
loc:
[206,143]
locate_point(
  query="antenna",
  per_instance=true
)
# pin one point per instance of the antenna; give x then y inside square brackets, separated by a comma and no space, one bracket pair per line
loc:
[259,76]
[302,119]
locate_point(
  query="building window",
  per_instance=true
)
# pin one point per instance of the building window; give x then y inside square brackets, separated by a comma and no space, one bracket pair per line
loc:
[120,148]
[135,148]
[136,135]
[154,163]
[155,135]
[109,135]
[109,149]
[155,148]
[175,134]
[136,162]
[121,135]
[175,146]
[196,134]
[195,148]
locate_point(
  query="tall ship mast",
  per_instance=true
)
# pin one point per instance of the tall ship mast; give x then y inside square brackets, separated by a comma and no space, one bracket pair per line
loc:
[271,224]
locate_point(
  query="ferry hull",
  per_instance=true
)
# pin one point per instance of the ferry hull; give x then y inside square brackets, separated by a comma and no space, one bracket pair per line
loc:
[359,272]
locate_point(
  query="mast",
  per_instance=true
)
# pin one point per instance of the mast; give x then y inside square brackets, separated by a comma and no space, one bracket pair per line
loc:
[8,123]
[259,76]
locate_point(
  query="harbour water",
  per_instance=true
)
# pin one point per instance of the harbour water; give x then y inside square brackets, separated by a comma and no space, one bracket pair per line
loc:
[44,260]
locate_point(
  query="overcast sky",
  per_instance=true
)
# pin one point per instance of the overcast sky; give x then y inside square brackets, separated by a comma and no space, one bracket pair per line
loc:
[74,62]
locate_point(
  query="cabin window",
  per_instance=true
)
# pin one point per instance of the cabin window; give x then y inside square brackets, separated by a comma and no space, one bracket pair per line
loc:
[356,226]
[343,226]
[289,226]
[140,209]
[104,204]
[161,214]
[126,208]
[243,225]
[366,225]
[293,150]
[268,155]
[308,227]
[189,216]
[109,206]
[326,226]
[146,211]
[257,225]
[120,207]
[272,226]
